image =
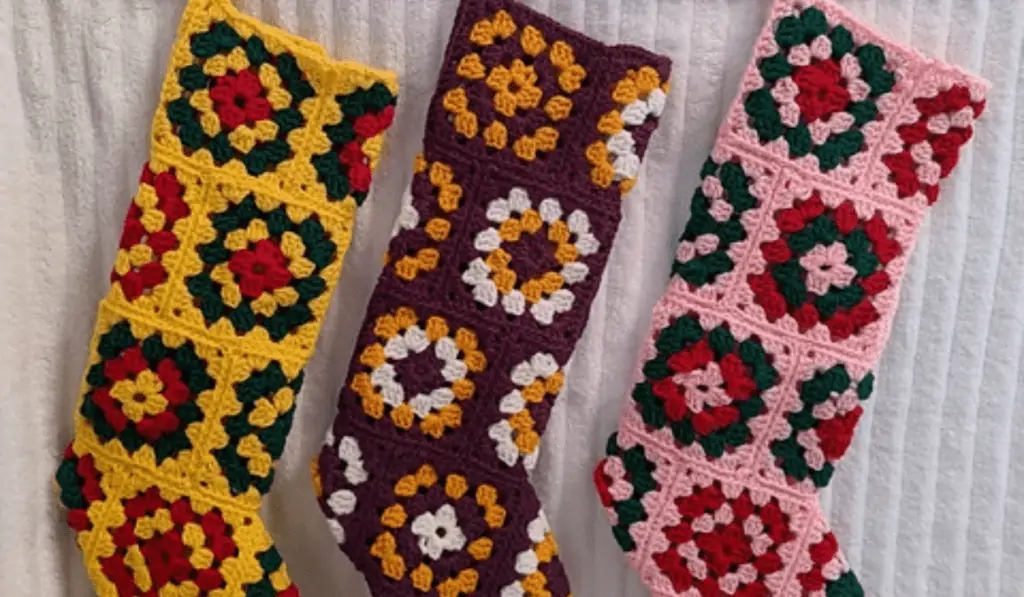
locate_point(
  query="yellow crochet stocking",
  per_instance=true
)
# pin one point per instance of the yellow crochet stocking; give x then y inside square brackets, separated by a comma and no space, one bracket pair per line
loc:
[262,149]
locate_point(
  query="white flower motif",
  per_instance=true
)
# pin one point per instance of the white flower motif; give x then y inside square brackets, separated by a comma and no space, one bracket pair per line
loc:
[481,274]
[826,266]
[439,532]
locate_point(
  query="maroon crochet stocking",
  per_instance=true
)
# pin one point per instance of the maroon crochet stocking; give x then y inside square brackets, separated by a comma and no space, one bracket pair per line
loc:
[535,133]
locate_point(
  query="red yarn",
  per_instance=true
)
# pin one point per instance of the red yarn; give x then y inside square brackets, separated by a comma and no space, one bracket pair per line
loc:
[945,146]
[822,92]
[264,268]
[836,434]
[238,100]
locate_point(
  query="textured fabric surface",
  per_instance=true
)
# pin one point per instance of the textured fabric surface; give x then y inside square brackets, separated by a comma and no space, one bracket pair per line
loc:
[262,150]
[930,498]
[534,134]
[785,285]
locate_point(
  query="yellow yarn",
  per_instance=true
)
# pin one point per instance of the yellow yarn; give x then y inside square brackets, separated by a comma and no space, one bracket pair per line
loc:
[230,253]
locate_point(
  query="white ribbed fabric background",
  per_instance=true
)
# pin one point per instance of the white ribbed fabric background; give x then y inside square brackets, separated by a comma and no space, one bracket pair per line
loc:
[929,503]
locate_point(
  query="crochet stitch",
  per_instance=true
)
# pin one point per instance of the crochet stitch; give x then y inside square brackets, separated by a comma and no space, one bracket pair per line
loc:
[262,147]
[534,134]
[752,379]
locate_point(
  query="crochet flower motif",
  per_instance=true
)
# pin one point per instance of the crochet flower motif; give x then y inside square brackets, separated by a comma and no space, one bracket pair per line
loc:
[819,89]
[264,268]
[383,389]
[530,562]
[640,96]
[438,532]
[514,88]
[148,233]
[238,100]
[445,520]
[515,436]
[821,425]
[259,263]
[142,391]
[343,501]
[80,485]
[724,544]
[546,292]
[825,267]
[416,252]
[705,385]
[524,92]
[174,545]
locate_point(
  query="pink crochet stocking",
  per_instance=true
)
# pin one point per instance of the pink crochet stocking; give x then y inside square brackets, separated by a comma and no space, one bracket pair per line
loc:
[751,379]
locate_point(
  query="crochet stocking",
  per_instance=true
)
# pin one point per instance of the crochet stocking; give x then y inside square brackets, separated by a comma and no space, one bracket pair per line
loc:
[751,379]
[534,134]
[262,148]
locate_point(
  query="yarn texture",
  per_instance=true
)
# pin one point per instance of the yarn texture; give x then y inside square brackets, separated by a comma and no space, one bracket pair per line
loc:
[262,147]
[752,378]
[534,134]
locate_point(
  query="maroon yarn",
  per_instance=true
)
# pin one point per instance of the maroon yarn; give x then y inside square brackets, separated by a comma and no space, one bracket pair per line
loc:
[391,446]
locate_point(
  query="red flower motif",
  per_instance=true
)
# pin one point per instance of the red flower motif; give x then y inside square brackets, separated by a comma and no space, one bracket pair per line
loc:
[130,362]
[724,547]
[821,90]
[238,100]
[264,268]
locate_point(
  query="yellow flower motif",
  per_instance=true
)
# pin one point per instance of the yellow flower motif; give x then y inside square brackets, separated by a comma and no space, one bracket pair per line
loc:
[141,397]
[514,87]
[515,90]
